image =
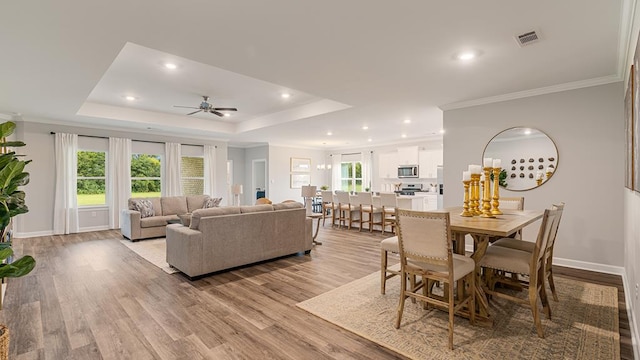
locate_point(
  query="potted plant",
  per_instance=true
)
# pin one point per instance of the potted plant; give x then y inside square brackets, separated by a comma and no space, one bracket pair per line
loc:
[324,187]
[12,176]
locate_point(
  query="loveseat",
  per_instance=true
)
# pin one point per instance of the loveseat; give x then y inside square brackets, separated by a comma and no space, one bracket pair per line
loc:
[226,237]
[134,226]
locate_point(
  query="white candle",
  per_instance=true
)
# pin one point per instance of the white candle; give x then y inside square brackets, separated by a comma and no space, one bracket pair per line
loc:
[475,169]
[482,178]
[497,163]
[549,169]
[466,176]
[539,174]
[488,162]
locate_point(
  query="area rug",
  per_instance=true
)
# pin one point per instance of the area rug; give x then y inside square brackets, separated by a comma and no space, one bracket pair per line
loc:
[584,323]
[153,250]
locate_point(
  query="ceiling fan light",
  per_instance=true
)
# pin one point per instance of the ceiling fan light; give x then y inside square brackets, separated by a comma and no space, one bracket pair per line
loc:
[130,98]
[227,115]
[285,95]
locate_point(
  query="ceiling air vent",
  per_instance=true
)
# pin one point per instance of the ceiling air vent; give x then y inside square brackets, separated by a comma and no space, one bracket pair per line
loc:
[527,38]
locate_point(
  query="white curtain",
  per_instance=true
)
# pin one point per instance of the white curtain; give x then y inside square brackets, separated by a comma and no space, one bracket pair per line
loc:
[210,170]
[367,162]
[336,182]
[171,181]
[65,215]
[118,178]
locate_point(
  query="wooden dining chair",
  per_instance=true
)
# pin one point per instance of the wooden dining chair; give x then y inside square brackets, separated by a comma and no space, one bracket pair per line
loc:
[529,246]
[365,201]
[424,240]
[328,206]
[512,203]
[499,261]
[389,204]
[347,212]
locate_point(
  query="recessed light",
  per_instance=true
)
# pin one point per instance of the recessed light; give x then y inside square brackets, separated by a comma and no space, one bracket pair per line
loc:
[441,131]
[130,98]
[404,135]
[369,140]
[365,127]
[227,115]
[329,133]
[170,66]
[407,121]
[466,56]
[285,95]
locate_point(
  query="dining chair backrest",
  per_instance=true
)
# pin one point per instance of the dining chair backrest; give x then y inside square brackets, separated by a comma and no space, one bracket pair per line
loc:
[327,196]
[343,197]
[554,232]
[544,234]
[365,198]
[388,200]
[424,237]
[512,203]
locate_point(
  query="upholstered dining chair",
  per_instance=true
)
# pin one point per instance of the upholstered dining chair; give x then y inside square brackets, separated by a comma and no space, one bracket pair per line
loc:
[529,246]
[328,206]
[498,261]
[512,203]
[388,245]
[424,240]
[365,200]
[348,212]
[389,204]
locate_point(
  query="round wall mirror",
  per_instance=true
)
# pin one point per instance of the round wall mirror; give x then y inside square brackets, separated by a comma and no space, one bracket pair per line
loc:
[529,157]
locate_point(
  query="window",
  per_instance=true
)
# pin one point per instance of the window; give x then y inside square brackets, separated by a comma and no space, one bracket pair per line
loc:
[91,178]
[145,175]
[351,176]
[192,174]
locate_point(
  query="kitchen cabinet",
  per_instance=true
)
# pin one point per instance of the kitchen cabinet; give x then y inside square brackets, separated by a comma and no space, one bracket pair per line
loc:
[410,202]
[430,202]
[428,163]
[388,166]
[408,155]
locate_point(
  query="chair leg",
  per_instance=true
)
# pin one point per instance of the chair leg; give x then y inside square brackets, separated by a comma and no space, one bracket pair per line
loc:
[403,290]
[543,293]
[383,223]
[383,270]
[533,302]
[451,317]
[552,286]
[472,301]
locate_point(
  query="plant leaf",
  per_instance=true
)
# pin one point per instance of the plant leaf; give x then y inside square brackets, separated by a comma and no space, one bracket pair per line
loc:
[7,128]
[20,267]
[12,144]
[5,253]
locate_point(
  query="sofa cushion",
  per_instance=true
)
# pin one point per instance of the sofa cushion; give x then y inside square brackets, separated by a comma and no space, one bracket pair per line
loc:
[174,205]
[154,221]
[157,206]
[217,211]
[196,202]
[256,208]
[287,205]
[211,203]
[144,206]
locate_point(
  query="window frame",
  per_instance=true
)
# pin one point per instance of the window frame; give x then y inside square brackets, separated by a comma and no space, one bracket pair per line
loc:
[159,178]
[353,180]
[78,178]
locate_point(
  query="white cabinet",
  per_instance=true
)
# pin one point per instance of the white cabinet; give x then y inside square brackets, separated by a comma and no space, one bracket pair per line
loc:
[428,162]
[430,202]
[408,155]
[388,166]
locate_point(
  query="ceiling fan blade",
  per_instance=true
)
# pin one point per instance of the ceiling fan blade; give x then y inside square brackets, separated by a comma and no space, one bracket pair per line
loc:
[216,112]
[187,107]
[194,112]
[225,109]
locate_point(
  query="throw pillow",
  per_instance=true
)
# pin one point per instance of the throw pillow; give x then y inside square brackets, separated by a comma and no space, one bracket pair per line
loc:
[145,207]
[211,203]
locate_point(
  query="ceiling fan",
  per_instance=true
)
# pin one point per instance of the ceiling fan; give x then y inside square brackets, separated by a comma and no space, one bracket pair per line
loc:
[207,107]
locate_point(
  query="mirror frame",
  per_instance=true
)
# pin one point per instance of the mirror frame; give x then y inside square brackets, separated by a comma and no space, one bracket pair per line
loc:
[508,162]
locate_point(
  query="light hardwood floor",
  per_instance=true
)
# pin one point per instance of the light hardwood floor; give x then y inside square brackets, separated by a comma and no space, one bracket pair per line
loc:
[90,297]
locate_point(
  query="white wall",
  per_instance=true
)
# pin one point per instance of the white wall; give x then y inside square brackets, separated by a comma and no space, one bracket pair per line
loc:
[280,171]
[587,127]
[40,190]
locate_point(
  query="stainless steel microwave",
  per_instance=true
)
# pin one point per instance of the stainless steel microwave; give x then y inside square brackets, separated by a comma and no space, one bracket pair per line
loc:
[408,171]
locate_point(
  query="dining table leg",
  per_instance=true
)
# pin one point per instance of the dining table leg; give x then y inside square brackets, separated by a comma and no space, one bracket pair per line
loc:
[480,244]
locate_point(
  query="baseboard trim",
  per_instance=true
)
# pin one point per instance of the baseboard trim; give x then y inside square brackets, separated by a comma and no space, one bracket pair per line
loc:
[585,265]
[32,234]
[50,232]
[633,326]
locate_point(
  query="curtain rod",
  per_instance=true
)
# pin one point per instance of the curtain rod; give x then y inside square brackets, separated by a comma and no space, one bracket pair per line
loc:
[146,141]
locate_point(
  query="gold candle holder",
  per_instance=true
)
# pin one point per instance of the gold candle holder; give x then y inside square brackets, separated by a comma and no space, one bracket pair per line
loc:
[539,181]
[465,206]
[486,197]
[474,203]
[549,173]
[495,206]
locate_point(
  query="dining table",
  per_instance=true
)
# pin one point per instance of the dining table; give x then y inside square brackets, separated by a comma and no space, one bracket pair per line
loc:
[482,230]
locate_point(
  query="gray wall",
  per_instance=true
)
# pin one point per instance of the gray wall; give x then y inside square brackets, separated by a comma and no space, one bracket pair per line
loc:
[254,153]
[40,190]
[587,127]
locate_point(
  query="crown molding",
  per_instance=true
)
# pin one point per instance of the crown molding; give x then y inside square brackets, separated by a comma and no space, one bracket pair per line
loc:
[6,117]
[534,92]
[627,15]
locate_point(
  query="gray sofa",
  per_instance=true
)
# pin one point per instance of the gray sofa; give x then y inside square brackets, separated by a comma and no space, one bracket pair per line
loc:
[226,237]
[166,209]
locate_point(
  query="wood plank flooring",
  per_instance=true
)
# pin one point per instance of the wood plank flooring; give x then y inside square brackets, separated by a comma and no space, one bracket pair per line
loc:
[90,297]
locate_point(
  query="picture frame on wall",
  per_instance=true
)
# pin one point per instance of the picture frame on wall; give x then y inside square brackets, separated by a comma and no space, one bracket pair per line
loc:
[629,131]
[298,180]
[300,165]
